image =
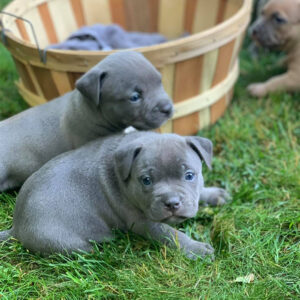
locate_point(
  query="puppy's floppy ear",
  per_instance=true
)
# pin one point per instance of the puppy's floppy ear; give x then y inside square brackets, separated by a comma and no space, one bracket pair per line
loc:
[203,147]
[90,84]
[124,158]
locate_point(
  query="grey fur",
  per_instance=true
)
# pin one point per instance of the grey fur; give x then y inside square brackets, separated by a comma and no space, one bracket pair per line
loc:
[5,235]
[83,194]
[214,196]
[100,105]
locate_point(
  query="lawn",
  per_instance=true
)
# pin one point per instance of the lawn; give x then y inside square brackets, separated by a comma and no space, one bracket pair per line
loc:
[257,156]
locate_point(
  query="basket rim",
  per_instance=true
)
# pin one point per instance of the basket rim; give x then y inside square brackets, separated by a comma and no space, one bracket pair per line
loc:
[236,23]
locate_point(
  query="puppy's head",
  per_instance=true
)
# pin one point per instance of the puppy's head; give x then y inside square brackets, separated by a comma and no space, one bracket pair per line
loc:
[279,24]
[127,90]
[161,175]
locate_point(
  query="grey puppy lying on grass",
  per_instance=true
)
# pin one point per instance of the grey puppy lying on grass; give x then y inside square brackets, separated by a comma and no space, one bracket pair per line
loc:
[141,181]
[122,90]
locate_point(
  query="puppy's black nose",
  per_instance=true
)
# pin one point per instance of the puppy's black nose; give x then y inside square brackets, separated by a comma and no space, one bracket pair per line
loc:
[166,108]
[173,203]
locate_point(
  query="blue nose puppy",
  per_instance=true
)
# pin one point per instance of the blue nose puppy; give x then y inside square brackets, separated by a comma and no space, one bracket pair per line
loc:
[122,90]
[141,181]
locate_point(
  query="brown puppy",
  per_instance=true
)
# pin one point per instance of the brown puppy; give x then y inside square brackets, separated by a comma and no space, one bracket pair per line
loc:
[278,27]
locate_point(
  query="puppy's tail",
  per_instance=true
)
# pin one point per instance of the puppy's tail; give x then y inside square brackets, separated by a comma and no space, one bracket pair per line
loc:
[5,235]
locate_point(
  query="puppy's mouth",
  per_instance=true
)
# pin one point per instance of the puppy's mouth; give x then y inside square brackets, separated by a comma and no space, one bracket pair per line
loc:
[150,124]
[269,46]
[173,219]
[154,119]
[267,43]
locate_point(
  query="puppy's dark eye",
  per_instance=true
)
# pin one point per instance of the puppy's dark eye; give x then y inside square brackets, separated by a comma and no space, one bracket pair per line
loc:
[135,97]
[278,19]
[146,180]
[189,176]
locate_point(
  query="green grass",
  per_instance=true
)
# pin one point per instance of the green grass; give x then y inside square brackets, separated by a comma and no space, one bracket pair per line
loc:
[257,156]
[10,101]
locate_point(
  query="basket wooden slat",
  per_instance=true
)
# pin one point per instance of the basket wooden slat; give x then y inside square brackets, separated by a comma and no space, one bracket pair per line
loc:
[134,21]
[218,109]
[190,9]
[32,98]
[61,81]
[14,28]
[34,16]
[49,89]
[209,69]
[203,22]
[48,23]
[198,71]
[117,9]
[221,11]
[96,11]
[208,98]
[235,52]
[170,24]
[63,23]
[153,7]
[222,68]
[22,30]
[73,76]
[78,12]
[23,72]
[187,84]
[35,80]
[230,9]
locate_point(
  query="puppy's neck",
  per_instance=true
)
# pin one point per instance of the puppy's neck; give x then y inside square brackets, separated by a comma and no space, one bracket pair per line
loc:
[292,46]
[293,55]
[83,121]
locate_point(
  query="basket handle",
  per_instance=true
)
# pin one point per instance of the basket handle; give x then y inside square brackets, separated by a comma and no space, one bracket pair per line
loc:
[42,54]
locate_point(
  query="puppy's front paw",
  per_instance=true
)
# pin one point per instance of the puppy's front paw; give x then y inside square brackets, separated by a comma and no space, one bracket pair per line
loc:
[257,90]
[214,196]
[197,249]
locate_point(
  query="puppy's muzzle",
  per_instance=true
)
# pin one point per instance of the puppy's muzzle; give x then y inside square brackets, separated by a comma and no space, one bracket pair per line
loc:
[165,108]
[172,204]
[264,35]
[253,32]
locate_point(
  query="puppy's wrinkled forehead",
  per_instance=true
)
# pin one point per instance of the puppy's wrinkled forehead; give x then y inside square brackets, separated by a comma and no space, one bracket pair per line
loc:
[285,8]
[171,152]
[131,66]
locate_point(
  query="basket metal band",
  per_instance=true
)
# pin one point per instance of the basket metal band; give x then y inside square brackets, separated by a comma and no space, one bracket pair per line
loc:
[42,54]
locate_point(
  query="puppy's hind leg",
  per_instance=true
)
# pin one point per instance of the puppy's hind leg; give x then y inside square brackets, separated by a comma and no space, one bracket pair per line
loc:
[6,181]
[4,185]
[7,184]
[48,239]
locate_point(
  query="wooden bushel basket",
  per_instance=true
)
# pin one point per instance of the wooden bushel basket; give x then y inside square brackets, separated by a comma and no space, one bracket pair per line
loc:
[199,71]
